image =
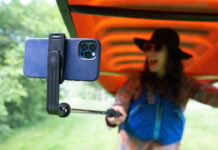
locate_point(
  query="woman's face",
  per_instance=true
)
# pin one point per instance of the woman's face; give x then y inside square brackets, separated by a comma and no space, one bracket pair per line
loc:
[157,59]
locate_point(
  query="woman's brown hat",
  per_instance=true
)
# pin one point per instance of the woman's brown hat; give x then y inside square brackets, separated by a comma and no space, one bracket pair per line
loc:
[164,36]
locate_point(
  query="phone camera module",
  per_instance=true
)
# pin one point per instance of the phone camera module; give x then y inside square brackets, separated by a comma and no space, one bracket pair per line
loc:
[87,49]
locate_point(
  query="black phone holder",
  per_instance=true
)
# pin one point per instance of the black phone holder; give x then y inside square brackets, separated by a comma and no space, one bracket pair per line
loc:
[55,73]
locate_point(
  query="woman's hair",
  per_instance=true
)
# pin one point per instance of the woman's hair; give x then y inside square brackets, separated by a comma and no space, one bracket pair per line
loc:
[170,84]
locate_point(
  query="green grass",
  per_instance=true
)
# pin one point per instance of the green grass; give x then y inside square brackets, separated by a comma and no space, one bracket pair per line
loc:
[79,132]
[89,132]
[201,130]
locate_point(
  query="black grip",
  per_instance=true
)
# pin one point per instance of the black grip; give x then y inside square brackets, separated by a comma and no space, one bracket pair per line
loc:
[53,82]
[112,113]
[55,71]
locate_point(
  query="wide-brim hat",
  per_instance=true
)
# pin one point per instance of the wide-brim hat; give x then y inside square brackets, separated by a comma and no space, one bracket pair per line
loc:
[164,36]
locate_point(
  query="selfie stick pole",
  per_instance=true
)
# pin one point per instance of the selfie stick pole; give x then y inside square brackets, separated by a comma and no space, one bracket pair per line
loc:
[109,113]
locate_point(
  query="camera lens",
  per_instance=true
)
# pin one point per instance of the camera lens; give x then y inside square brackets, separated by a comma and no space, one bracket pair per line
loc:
[88,54]
[84,46]
[92,46]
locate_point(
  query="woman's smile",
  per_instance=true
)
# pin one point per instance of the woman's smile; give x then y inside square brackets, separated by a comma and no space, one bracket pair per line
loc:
[153,61]
[153,64]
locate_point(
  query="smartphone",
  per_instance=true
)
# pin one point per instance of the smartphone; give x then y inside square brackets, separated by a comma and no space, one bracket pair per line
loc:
[82,58]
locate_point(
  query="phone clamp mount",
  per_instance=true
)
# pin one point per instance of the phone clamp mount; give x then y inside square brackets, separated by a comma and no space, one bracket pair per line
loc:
[55,77]
[55,73]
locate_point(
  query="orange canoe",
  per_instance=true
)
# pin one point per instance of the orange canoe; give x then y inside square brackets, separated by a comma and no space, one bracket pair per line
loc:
[114,23]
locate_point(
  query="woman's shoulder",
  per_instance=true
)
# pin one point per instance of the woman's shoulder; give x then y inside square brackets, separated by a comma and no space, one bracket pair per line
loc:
[133,79]
[135,75]
[187,79]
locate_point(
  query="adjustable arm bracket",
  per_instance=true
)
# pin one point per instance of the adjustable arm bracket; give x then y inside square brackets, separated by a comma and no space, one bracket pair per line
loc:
[55,71]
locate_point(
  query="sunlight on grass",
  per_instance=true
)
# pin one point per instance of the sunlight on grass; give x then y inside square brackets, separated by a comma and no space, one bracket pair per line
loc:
[89,132]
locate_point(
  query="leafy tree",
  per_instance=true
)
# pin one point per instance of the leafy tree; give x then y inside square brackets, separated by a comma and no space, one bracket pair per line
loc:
[21,99]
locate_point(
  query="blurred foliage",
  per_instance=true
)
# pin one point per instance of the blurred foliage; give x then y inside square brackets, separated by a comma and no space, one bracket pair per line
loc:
[22,100]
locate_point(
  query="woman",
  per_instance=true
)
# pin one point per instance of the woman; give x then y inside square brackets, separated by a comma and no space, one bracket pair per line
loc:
[152,102]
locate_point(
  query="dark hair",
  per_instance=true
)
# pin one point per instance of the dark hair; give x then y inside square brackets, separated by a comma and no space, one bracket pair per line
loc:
[170,84]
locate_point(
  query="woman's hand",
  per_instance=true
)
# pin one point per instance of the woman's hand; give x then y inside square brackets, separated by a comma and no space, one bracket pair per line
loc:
[116,121]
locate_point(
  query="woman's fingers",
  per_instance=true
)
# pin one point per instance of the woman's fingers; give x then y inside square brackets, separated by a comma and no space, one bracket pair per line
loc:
[120,119]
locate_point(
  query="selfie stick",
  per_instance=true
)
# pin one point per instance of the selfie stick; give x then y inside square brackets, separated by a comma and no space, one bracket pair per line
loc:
[55,72]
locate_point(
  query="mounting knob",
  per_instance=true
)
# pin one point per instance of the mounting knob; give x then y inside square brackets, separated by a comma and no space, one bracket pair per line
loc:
[64,110]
